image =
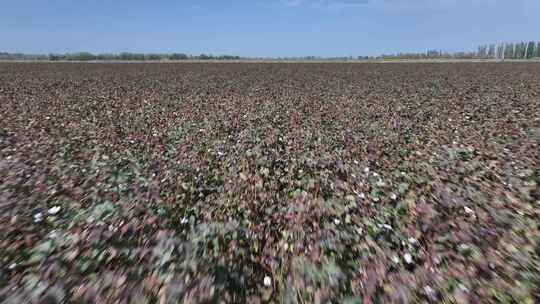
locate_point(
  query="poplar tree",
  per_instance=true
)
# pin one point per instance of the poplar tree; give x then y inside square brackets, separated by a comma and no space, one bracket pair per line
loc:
[530,50]
[482,51]
[509,51]
[491,51]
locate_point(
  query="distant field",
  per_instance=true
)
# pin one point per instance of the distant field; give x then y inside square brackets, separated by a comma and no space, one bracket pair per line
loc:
[289,182]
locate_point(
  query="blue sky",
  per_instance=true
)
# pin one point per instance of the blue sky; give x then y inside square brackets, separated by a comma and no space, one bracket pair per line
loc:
[264,28]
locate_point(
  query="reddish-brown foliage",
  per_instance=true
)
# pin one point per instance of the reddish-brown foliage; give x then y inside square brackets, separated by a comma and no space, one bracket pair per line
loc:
[239,182]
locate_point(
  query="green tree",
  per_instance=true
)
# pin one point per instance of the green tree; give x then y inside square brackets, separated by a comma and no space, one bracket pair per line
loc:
[205,57]
[152,57]
[500,51]
[522,50]
[482,51]
[56,57]
[106,56]
[81,56]
[509,51]
[530,50]
[491,51]
[177,56]
[518,52]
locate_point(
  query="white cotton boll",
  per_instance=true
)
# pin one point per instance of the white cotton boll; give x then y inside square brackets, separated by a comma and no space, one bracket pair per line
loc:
[337,222]
[38,217]
[386,226]
[428,290]
[408,258]
[184,221]
[393,196]
[54,210]
[267,281]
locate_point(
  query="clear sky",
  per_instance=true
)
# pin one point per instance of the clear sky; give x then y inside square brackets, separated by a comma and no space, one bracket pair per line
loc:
[264,27]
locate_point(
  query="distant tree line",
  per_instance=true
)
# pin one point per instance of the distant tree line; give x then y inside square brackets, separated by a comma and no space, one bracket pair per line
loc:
[85,56]
[21,56]
[127,56]
[520,50]
[430,54]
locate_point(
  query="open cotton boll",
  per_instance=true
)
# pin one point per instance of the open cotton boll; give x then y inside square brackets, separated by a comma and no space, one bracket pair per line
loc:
[54,210]
[408,258]
[38,217]
[267,281]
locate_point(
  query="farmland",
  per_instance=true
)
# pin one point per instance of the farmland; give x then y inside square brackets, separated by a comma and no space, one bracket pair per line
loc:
[269,182]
